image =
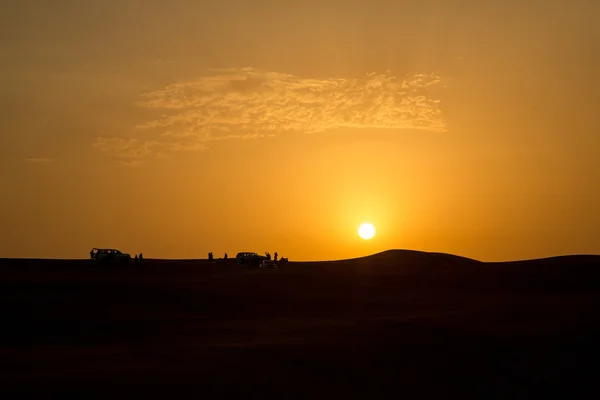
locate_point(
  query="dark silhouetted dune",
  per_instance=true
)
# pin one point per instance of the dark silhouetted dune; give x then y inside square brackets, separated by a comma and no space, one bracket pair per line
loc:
[398,323]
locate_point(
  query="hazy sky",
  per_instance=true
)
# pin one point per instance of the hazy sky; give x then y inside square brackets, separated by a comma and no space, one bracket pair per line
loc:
[175,128]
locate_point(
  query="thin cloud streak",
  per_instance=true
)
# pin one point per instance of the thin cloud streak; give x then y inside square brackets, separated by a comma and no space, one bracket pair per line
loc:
[247,103]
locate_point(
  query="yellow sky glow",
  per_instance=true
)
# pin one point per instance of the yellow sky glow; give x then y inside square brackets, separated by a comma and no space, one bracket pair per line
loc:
[175,129]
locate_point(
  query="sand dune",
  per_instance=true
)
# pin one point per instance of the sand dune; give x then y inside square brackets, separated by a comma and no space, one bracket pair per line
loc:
[398,323]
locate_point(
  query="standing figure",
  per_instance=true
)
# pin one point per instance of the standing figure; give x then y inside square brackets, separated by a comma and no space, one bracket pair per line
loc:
[141,258]
[225,256]
[275,258]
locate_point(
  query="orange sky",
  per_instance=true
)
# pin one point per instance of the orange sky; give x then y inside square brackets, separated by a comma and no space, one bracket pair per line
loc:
[178,128]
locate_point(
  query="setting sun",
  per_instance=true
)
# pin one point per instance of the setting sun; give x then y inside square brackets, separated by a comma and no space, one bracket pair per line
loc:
[366,231]
[288,142]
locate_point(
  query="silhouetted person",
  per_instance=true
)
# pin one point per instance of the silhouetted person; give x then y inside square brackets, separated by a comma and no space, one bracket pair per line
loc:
[275,258]
[141,258]
[210,256]
[136,259]
[92,254]
[225,256]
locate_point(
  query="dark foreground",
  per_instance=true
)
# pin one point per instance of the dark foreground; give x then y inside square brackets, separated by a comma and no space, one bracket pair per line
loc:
[399,324]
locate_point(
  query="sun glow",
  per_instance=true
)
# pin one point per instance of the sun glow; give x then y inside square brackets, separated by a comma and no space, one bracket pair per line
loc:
[366,231]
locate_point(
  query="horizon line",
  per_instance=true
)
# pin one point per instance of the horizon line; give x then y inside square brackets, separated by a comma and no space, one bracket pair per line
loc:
[319,261]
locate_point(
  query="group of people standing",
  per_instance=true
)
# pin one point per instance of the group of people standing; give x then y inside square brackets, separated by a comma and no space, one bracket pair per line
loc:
[267,254]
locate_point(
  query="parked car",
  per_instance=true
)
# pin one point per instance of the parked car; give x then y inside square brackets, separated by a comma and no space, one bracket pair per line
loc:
[109,255]
[249,258]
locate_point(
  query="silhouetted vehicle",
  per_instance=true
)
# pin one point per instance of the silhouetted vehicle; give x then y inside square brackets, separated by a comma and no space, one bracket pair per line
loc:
[249,258]
[110,255]
[269,264]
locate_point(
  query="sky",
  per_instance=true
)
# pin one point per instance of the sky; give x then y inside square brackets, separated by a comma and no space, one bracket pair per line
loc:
[178,128]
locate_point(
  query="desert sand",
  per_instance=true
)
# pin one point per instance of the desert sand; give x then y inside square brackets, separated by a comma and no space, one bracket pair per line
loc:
[400,324]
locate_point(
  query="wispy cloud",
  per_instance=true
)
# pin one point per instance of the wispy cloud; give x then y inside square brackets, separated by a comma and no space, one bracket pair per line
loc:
[132,151]
[38,160]
[247,103]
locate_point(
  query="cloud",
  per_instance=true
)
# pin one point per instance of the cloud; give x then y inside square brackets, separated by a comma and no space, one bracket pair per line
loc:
[132,151]
[247,103]
[38,160]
